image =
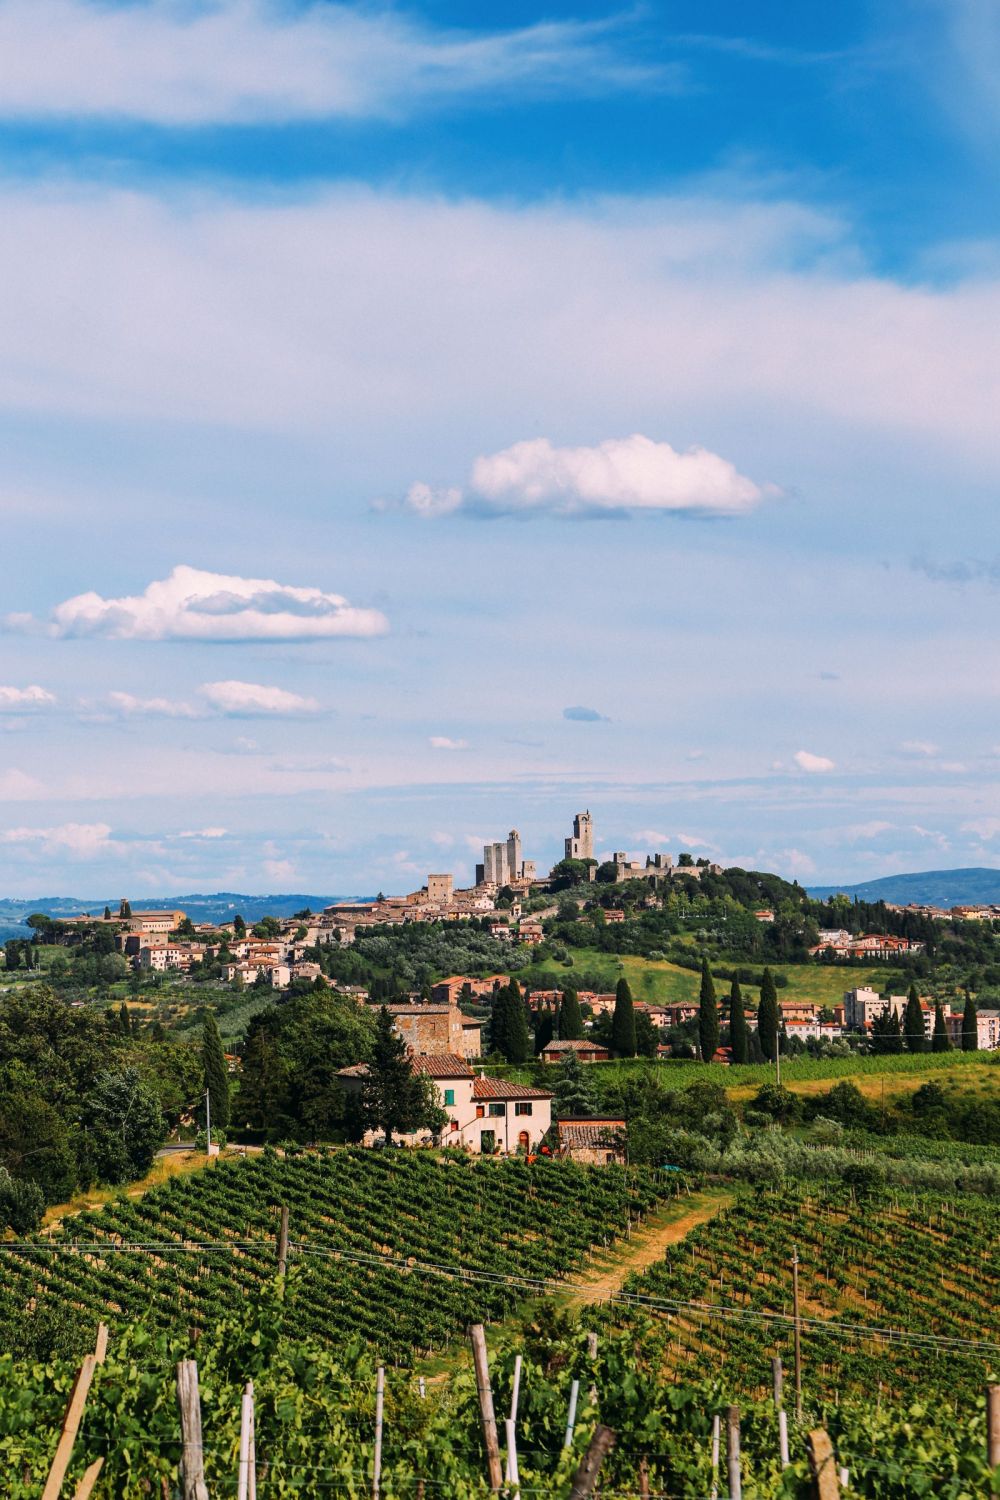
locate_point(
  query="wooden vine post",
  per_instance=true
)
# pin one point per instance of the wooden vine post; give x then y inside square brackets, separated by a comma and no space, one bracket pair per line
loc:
[282,1250]
[71,1423]
[733,1467]
[585,1478]
[193,1453]
[823,1465]
[993,1425]
[477,1337]
[798,1334]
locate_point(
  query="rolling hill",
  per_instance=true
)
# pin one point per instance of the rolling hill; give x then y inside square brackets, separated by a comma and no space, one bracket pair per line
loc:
[925,887]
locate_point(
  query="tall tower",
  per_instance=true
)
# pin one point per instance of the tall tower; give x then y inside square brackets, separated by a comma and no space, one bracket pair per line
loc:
[513,855]
[581,844]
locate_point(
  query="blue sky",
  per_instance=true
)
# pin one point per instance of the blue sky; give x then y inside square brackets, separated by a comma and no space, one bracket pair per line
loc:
[374,389]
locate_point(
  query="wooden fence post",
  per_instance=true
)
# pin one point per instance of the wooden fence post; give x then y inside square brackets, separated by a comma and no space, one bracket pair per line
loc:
[585,1478]
[477,1337]
[823,1465]
[283,1243]
[246,1443]
[379,1412]
[73,1416]
[716,1431]
[733,1453]
[86,1485]
[993,1425]
[798,1333]
[193,1455]
[574,1392]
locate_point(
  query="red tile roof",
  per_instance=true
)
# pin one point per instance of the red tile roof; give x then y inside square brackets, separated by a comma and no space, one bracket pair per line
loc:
[503,1088]
[441,1065]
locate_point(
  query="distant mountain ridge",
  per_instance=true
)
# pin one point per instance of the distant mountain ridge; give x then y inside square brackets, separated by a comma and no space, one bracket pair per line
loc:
[200,908]
[979,886]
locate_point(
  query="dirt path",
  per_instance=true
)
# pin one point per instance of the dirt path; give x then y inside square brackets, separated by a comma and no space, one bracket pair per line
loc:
[646,1247]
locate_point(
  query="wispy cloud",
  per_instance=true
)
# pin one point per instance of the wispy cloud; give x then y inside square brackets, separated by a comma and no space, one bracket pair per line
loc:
[241,699]
[445,742]
[193,605]
[78,840]
[618,476]
[16,699]
[200,62]
[962,570]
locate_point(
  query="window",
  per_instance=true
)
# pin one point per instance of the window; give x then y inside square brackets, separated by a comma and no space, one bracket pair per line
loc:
[449,1098]
[522,1109]
[480,1111]
[453,1124]
[498,1109]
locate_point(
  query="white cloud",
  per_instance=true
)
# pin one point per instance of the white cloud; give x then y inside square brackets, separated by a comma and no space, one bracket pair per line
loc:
[725,307]
[443,742]
[18,786]
[239,61]
[814,764]
[631,474]
[16,699]
[129,704]
[79,840]
[279,869]
[202,833]
[246,698]
[194,605]
[919,747]
[652,839]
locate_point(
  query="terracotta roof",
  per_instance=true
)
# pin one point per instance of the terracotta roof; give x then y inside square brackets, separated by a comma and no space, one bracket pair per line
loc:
[605,1134]
[441,1065]
[575,1046]
[357,1070]
[502,1088]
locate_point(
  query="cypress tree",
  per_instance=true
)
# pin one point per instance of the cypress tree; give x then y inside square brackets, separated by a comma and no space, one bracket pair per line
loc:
[970,1027]
[215,1072]
[393,1097]
[509,1025]
[767,1017]
[708,1015]
[738,1039]
[940,1041]
[124,911]
[570,1018]
[623,1021]
[124,1020]
[545,1030]
[913,1022]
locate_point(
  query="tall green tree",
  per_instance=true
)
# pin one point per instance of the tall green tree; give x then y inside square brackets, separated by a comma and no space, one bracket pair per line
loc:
[767,1016]
[570,1017]
[887,1033]
[738,1039]
[215,1072]
[394,1099]
[545,1029]
[913,1022]
[124,911]
[708,1015]
[623,1041]
[940,1041]
[573,1095]
[970,1025]
[509,1025]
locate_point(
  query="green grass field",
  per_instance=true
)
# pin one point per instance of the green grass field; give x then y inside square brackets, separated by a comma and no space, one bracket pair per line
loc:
[665,983]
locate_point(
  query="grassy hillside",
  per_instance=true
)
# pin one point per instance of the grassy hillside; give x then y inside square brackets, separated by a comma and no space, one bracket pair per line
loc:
[661,982]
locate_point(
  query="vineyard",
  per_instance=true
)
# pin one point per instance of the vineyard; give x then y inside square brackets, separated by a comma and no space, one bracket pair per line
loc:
[315,1421]
[365,1228]
[868,1272]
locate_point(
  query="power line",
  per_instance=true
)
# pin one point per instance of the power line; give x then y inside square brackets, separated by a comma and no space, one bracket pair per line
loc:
[536,1285]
